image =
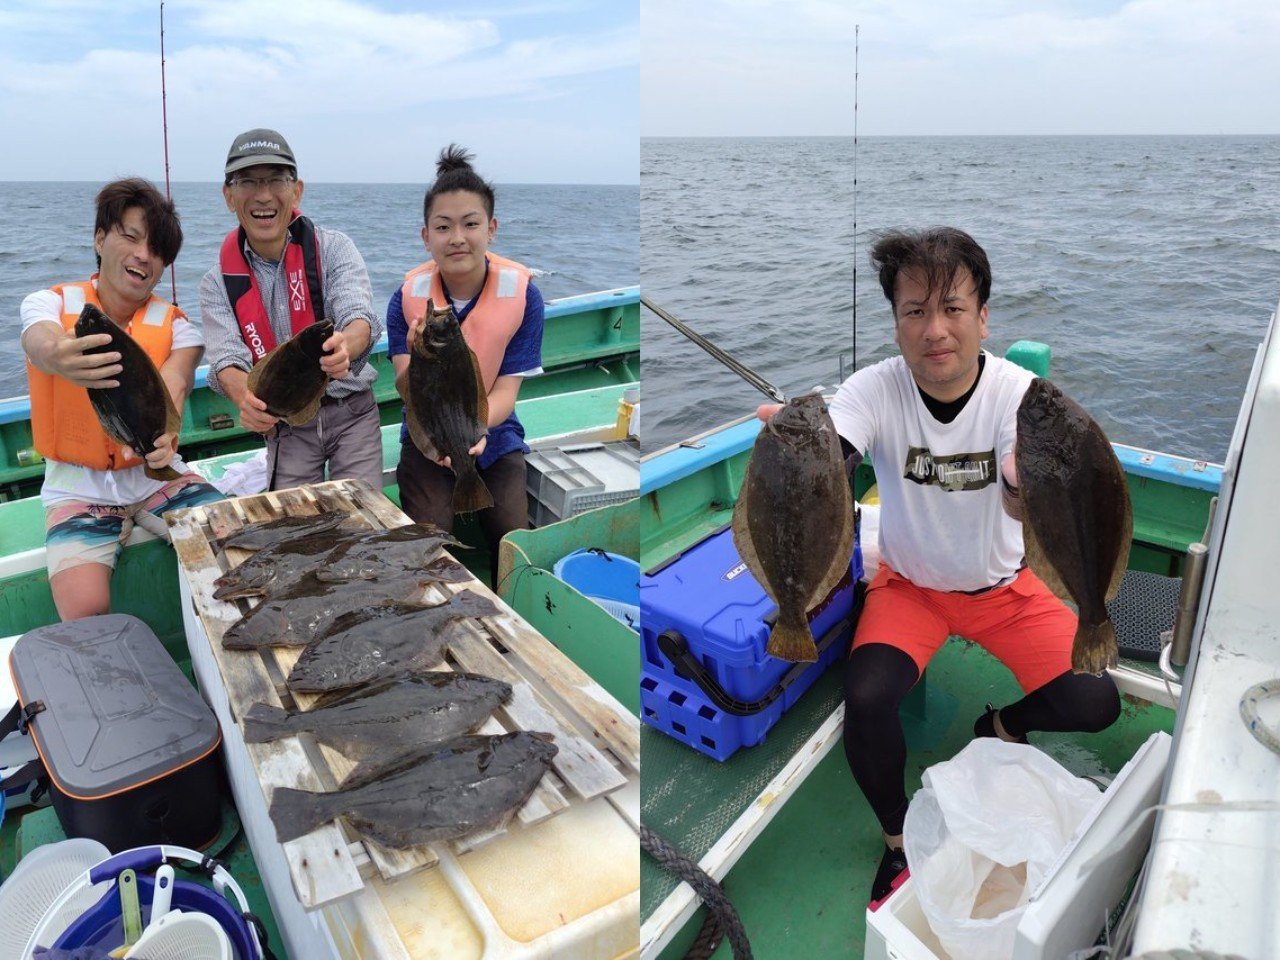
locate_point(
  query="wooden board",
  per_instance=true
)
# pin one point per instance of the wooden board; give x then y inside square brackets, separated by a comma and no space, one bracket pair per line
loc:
[331,862]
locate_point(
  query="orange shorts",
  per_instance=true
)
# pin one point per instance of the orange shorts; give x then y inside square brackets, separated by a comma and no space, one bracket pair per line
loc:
[1022,624]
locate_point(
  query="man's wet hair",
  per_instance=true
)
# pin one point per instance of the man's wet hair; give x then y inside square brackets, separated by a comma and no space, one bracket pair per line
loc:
[454,173]
[937,253]
[164,229]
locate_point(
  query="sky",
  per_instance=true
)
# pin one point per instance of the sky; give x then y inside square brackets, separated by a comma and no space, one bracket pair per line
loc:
[959,67]
[542,91]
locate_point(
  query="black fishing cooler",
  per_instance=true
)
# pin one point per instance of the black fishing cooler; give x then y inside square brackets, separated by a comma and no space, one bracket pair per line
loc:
[705,677]
[129,747]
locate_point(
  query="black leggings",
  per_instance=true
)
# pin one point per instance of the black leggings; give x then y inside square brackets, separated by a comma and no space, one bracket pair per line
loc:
[877,678]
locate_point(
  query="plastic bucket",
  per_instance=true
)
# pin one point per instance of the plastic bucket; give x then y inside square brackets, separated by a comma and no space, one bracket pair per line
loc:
[610,579]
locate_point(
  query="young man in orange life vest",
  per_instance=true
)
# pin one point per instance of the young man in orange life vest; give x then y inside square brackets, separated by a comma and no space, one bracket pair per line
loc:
[94,489]
[501,316]
[276,274]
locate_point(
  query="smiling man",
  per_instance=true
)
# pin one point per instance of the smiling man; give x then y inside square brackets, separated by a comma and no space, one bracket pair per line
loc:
[94,489]
[277,274]
[939,424]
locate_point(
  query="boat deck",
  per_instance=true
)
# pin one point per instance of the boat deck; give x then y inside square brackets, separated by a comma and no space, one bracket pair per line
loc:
[801,886]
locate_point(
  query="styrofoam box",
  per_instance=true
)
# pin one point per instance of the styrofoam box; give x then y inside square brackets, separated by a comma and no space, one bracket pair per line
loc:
[1081,888]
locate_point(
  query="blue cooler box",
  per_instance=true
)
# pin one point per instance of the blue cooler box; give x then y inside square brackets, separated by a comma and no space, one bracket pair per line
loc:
[705,678]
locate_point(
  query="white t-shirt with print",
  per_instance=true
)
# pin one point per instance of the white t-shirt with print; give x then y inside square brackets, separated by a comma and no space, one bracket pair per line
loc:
[942,525]
[70,481]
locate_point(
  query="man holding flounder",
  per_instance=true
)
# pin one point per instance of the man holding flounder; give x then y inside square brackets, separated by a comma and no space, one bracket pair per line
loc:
[939,424]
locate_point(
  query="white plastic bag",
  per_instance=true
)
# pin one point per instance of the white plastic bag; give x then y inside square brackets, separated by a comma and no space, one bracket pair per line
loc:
[980,835]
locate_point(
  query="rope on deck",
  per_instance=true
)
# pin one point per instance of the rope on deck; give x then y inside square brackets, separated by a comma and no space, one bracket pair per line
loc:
[722,919]
[1264,734]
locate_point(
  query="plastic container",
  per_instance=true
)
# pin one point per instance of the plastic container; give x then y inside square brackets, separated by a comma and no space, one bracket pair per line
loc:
[37,882]
[1087,880]
[709,604]
[565,482]
[182,936]
[101,924]
[610,579]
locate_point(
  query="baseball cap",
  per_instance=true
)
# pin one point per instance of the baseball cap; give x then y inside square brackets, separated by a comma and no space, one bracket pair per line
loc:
[259,146]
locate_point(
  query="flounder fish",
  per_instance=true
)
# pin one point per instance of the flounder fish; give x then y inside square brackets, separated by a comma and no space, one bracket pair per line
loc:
[141,409]
[447,405]
[289,379]
[382,639]
[365,555]
[302,613]
[390,717]
[407,547]
[1077,521]
[449,791]
[265,533]
[793,521]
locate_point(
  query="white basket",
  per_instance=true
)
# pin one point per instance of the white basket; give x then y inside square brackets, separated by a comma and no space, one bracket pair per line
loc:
[37,882]
[182,936]
[626,613]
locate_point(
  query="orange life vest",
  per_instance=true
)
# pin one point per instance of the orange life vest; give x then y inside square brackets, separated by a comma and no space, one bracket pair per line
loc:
[492,320]
[63,423]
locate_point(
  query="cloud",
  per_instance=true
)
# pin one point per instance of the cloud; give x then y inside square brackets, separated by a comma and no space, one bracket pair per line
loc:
[324,70]
[741,67]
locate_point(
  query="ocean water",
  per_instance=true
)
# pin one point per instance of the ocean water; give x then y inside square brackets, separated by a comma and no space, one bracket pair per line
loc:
[577,239]
[1150,265]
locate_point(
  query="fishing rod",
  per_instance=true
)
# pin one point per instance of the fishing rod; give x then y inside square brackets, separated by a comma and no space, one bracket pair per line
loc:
[734,364]
[854,362]
[164,114]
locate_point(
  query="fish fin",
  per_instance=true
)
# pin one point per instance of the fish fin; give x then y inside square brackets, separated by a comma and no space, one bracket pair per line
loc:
[1094,648]
[297,812]
[1040,564]
[843,557]
[474,604]
[742,539]
[446,570]
[420,438]
[1126,541]
[482,395]
[307,413]
[470,493]
[166,474]
[792,641]
[264,723]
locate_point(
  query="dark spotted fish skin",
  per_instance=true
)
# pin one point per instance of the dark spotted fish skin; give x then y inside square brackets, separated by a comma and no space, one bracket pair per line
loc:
[1076,514]
[366,554]
[289,379]
[793,520]
[407,548]
[388,718]
[382,639]
[266,533]
[278,566]
[447,405]
[462,787]
[141,409]
[302,613]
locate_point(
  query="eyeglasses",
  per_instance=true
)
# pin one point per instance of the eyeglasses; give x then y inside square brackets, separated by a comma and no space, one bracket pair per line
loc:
[249,185]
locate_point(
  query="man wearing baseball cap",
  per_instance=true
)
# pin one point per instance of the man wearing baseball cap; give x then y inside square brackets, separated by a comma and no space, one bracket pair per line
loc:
[277,274]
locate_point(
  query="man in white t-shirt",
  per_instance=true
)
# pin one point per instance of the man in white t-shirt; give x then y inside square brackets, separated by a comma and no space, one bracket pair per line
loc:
[938,424]
[94,489]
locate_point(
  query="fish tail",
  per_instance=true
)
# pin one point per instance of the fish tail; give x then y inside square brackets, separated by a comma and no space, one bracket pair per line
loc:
[167,474]
[792,640]
[297,812]
[470,494]
[264,723]
[1094,647]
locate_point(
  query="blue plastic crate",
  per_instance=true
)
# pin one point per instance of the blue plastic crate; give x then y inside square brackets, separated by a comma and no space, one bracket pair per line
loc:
[709,599]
